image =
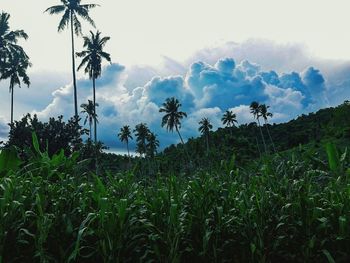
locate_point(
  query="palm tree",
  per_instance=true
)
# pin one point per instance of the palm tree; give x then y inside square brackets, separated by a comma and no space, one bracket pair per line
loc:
[92,60]
[72,10]
[16,71]
[152,144]
[255,110]
[141,132]
[172,115]
[266,114]
[9,40]
[124,136]
[204,128]
[229,119]
[88,108]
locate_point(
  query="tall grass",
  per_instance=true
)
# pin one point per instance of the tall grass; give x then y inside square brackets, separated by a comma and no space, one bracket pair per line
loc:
[286,209]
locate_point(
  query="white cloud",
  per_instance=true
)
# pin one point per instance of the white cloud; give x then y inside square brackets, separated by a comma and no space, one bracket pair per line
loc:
[130,95]
[4,129]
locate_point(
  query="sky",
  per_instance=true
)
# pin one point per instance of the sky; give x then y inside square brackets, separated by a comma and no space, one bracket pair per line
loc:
[212,55]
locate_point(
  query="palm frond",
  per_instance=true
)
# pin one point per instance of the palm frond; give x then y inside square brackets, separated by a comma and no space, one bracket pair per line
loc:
[84,13]
[57,9]
[77,25]
[64,21]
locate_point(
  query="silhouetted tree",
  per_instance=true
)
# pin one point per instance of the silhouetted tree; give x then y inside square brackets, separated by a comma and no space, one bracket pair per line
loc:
[152,144]
[72,10]
[16,71]
[229,119]
[204,128]
[53,135]
[92,61]
[141,132]
[124,136]
[172,118]
[9,40]
[266,114]
[255,110]
[88,108]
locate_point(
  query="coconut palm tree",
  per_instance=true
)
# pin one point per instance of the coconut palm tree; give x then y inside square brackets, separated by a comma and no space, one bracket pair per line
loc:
[72,10]
[204,128]
[141,132]
[92,61]
[16,71]
[172,118]
[255,110]
[124,136]
[9,40]
[88,108]
[152,144]
[266,114]
[229,119]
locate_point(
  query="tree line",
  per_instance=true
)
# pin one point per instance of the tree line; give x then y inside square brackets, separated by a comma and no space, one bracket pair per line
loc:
[171,120]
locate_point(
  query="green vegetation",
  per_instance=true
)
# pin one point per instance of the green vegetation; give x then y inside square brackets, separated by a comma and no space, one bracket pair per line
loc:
[289,207]
[293,208]
[312,131]
[228,196]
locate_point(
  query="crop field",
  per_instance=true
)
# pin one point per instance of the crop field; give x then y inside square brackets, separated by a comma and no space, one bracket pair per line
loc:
[281,209]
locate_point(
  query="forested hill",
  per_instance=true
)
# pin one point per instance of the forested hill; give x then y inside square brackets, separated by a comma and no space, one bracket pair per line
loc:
[245,141]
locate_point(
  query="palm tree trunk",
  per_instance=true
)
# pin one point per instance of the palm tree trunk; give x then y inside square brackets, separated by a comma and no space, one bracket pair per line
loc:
[73,66]
[262,136]
[11,88]
[268,132]
[90,124]
[95,126]
[94,91]
[182,141]
[127,147]
[257,145]
[178,132]
[207,140]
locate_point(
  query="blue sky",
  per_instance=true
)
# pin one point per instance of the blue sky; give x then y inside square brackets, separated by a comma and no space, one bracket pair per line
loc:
[212,55]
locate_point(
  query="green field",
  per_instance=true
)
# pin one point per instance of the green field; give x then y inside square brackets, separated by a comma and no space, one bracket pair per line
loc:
[292,208]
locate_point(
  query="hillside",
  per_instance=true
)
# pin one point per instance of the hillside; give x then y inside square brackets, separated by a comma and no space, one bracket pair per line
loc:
[314,129]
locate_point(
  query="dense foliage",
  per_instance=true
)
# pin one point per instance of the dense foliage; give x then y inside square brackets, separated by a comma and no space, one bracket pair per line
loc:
[54,135]
[293,208]
[312,130]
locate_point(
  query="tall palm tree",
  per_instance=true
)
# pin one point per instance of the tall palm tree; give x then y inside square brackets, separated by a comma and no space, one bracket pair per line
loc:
[229,119]
[266,114]
[255,110]
[9,40]
[88,108]
[172,118]
[124,136]
[141,132]
[152,144]
[16,71]
[204,128]
[92,60]
[72,10]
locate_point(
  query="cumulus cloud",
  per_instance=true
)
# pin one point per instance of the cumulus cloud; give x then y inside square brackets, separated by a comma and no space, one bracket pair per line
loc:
[158,89]
[206,90]
[224,84]
[4,129]
[217,79]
